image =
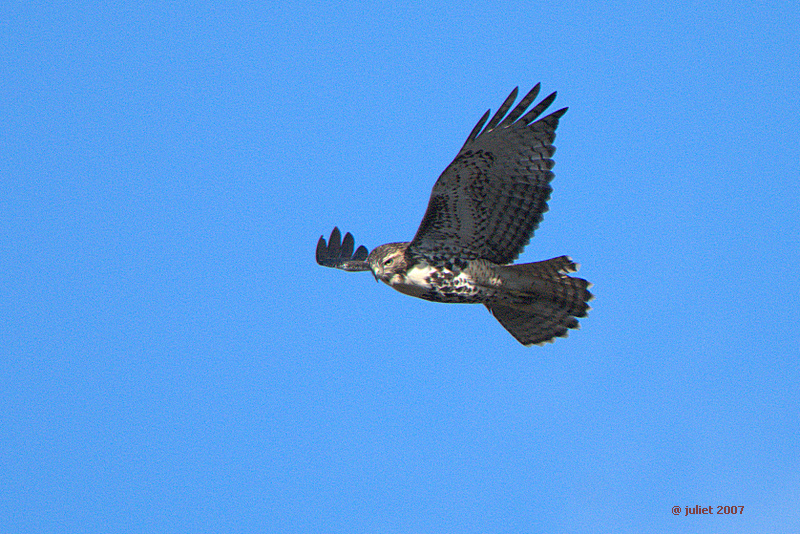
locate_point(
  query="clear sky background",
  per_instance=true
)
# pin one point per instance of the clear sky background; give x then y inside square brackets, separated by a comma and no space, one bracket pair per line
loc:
[173,360]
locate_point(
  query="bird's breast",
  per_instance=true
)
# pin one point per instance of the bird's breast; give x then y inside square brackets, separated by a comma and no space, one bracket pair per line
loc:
[439,284]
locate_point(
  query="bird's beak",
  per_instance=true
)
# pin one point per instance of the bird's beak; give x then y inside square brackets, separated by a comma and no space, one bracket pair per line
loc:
[375,275]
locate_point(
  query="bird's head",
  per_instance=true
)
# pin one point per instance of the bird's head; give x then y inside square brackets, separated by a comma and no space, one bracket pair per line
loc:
[388,261]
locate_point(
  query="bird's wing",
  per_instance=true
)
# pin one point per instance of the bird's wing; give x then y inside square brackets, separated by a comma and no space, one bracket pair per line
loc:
[489,200]
[338,253]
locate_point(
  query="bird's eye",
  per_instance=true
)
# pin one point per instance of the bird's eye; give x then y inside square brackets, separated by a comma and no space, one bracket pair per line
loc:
[388,262]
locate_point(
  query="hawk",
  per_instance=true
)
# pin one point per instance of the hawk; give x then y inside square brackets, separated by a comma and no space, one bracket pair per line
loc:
[482,212]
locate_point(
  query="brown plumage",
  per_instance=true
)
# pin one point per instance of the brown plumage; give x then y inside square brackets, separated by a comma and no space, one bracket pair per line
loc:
[482,212]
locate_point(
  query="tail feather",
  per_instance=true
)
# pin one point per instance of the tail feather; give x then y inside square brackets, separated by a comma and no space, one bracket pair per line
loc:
[533,328]
[545,301]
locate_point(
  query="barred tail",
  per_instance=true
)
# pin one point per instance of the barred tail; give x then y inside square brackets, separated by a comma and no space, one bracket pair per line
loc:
[545,301]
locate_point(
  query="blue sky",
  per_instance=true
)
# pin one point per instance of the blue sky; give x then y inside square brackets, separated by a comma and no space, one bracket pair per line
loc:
[175,361]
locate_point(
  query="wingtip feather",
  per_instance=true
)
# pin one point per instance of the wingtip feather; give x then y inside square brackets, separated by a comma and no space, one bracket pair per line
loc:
[338,253]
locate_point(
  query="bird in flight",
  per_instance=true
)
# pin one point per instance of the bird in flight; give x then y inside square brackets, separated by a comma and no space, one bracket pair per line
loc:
[482,213]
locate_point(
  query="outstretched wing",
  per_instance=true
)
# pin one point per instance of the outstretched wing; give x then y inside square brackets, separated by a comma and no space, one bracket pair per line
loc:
[490,199]
[338,253]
